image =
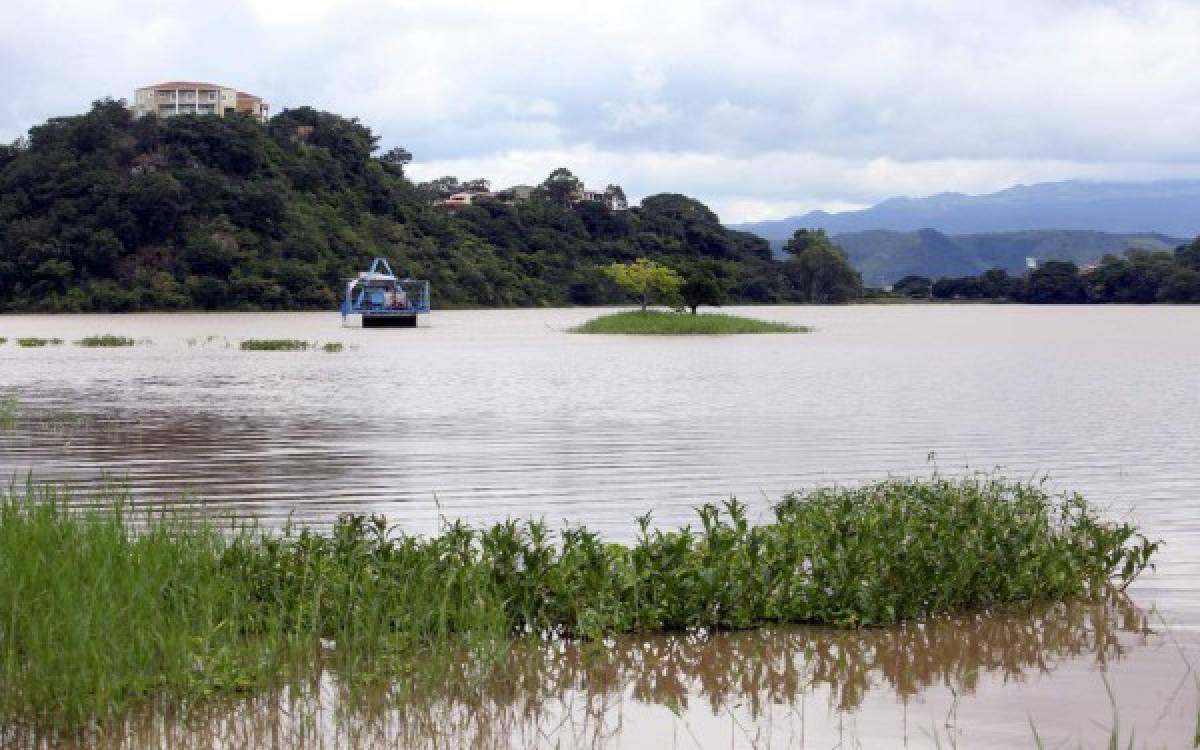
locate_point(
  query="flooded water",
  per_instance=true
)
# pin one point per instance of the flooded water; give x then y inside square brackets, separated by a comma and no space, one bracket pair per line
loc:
[491,414]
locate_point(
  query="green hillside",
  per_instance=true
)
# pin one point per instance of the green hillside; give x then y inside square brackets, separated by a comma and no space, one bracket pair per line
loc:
[101,212]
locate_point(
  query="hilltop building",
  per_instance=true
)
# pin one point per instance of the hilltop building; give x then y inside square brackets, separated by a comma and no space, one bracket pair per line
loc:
[194,98]
[522,193]
[611,201]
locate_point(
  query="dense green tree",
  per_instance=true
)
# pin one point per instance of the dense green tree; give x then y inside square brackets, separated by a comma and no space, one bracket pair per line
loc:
[706,283]
[644,279]
[1188,255]
[965,287]
[562,187]
[918,287]
[396,159]
[1133,278]
[818,270]
[1055,282]
[1181,286]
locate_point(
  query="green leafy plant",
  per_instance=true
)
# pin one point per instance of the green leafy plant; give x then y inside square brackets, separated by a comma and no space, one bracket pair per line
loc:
[133,607]
[274,345]
[32,342]
[9,404]
[105,341]
[645,279]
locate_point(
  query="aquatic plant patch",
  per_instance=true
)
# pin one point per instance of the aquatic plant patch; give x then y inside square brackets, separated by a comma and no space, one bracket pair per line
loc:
[333,347]
[32,342]
[9,403]
[132,608]
[274,345]
[658,322]
[105,341]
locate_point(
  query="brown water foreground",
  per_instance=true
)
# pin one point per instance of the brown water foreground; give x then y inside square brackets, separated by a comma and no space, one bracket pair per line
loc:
[491,414]
[951,681]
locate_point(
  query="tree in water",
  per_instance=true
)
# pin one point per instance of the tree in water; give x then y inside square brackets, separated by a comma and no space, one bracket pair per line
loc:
[706,282]
[819,270]
[644,278]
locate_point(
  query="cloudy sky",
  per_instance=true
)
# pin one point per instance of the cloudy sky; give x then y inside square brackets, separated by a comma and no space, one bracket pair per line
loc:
[761,109]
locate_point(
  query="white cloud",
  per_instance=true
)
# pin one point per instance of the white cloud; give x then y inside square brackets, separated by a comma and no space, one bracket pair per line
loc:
[752,107]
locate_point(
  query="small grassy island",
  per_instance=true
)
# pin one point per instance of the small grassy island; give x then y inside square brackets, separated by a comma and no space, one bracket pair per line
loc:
[105,341]
[663,323]
[274,345]
[105,608]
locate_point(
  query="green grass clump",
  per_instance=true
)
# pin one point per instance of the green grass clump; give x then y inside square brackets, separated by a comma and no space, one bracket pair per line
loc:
[107,340]
[333,347]
[30,342]
[274,345]
[9,403]
[101,611]
[3,340]
[658,322]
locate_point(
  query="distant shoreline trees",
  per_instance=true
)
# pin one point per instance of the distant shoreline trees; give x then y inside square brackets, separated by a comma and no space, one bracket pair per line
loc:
[1134,277]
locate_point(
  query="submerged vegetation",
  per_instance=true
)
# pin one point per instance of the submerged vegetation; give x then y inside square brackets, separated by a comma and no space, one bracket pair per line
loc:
[106,340]
[651,322]
[33,342]
[274,345]
[9,403]
[135,608]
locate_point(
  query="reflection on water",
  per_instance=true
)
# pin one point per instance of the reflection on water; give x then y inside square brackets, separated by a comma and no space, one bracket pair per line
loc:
[574,695]
[491,414]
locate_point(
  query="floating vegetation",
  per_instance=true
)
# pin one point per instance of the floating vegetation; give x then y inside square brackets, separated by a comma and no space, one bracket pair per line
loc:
[134,608]
[30,342]
[3,341]
[658,322]
[332,347]
[9,403]
[274,345]
[106,340]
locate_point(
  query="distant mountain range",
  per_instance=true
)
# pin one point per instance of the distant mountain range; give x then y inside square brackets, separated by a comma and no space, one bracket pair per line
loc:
[884,256]
[955,234]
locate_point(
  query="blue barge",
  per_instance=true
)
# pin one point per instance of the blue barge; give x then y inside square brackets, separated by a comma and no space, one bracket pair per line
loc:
[376,298]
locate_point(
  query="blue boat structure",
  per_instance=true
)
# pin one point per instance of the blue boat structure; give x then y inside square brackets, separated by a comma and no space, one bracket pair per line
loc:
[376,298]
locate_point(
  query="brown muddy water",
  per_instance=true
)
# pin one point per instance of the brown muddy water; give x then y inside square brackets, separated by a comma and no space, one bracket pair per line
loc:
[490,414]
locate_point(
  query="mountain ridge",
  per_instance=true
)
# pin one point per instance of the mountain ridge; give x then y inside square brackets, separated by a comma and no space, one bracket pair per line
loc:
[884,256]
[1170,207]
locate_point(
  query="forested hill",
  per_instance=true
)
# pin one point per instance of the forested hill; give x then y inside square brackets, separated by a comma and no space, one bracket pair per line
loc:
[102,212]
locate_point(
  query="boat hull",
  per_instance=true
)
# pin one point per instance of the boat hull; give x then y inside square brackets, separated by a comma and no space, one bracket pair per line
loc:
[386,320]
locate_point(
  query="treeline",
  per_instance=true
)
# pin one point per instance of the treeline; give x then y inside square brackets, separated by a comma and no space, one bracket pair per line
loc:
[1136,277]
[104,212]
